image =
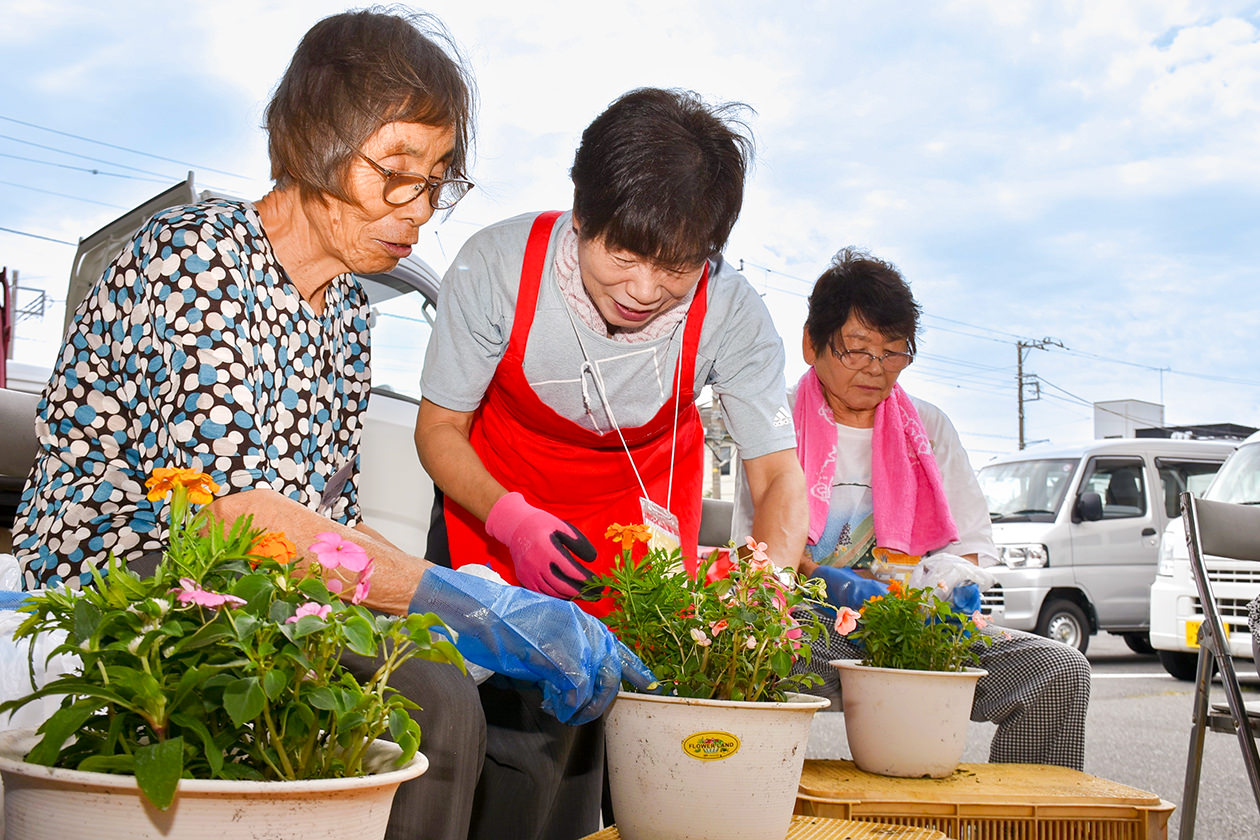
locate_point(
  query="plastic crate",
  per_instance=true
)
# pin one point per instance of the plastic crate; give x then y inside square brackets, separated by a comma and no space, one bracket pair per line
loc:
[817,828]
[988,802]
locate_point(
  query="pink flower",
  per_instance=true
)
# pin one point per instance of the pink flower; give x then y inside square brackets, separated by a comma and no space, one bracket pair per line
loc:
[364,585]
[193,594]
[846,621]
[332,551]
[980,620]
[718,626]
[751,642]
[700,639]
[311,608]
[760,559]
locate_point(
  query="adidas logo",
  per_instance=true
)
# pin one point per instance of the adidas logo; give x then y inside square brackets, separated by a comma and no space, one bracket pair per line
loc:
[781,417]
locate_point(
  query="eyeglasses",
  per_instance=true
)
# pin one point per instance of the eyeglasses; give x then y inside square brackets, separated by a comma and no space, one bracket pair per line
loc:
[402,188]
[860,359]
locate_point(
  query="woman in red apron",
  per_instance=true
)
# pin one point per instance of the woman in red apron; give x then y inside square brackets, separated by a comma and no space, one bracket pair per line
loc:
[587,479]
[529,490]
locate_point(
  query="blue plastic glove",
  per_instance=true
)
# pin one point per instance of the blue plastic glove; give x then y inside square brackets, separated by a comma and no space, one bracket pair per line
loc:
[846,588]
[12,600]
[513,631]
[548,554]
[966,598]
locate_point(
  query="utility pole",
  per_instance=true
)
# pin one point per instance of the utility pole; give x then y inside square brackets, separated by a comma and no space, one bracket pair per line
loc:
[1021,382]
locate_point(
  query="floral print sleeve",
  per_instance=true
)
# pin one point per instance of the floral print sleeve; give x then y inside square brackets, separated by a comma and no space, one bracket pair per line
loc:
[192,351]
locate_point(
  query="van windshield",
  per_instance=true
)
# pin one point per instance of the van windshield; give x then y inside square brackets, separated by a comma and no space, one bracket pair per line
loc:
[1239,479]
[1026,491]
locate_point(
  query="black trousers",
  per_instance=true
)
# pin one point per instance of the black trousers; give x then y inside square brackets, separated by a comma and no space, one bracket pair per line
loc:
[542,779]
[439,804]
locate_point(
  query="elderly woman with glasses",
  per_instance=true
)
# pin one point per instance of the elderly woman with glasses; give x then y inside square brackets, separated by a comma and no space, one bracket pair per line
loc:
[890,486]
[231,337]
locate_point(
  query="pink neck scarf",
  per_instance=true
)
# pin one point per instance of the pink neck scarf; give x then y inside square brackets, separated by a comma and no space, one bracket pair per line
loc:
[911,510]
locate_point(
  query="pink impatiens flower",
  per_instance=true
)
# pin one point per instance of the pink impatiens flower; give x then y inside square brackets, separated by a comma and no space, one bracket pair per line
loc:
[718,626]
[760,559]
[310,608]
[751,642]
[700,638]
[980,620]
[190,593]
[333,551]
[846,621]
[364,585]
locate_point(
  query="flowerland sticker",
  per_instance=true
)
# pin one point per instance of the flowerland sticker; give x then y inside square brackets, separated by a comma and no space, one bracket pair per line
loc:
[710,746]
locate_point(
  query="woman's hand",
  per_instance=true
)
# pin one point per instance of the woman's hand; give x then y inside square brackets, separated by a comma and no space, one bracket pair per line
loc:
[548,554]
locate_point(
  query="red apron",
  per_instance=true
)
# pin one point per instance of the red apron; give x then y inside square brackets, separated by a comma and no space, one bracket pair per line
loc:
[581,476]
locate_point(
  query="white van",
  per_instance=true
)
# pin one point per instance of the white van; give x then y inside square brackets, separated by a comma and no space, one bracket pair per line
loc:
[1175,612]
[1077,531]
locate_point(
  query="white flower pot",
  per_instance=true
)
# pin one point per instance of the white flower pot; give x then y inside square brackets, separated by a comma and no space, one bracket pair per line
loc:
[906,723]
[687,769]
[51,803]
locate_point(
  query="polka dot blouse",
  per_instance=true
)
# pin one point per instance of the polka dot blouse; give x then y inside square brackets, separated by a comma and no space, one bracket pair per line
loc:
[193,350]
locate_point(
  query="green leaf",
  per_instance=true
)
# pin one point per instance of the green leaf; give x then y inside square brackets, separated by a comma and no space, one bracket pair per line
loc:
[209,749]
[158,768]
[108,764]
[87,617]
[360,636]
[275,682]
[781,662]
[243,699]
[322,698]
[62,724]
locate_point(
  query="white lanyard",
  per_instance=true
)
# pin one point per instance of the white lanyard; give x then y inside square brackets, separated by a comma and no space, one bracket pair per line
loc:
[590,367]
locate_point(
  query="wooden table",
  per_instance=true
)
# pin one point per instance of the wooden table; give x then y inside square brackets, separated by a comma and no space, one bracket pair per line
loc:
[821,828]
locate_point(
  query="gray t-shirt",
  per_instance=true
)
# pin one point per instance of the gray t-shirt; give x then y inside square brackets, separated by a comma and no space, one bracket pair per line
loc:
[740,355]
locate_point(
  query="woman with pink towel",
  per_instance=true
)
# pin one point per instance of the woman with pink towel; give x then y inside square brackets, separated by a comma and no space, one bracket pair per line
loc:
[888,477]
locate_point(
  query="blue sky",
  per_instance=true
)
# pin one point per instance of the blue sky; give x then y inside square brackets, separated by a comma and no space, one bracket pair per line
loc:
[1083,171]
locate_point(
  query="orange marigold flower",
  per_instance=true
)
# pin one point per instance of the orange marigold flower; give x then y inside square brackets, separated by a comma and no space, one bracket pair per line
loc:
[894,586]
[201,488]
[276,546]
[628,535]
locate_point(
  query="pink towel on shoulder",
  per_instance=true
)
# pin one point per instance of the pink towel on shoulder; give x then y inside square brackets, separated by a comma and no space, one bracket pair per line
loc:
[815,448]
[911,509]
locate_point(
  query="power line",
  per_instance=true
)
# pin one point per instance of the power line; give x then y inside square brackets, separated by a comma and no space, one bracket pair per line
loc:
[120,148]
[64,195]
[81,156]
[82,168]
[38,236]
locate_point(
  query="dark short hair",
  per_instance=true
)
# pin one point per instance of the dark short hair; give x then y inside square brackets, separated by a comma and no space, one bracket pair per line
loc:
[873,290]
[661,174]
[353,73]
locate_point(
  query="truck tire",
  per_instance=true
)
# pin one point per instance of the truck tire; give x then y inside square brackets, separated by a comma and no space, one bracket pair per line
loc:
[1139,643]
[1181,664]
[1064,622]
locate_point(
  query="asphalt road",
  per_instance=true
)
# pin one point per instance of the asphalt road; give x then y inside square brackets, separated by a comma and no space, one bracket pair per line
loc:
[1137,734]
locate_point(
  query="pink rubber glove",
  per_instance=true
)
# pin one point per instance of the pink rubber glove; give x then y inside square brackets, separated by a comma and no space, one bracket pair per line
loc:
[549,554]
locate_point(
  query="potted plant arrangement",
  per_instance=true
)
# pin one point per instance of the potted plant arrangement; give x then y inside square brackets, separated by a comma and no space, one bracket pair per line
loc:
[908,700]
[718,753]
[212,692]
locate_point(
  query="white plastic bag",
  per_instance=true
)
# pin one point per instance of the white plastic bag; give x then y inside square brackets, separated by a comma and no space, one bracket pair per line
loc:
[10,573]
[945,571]
[15,671]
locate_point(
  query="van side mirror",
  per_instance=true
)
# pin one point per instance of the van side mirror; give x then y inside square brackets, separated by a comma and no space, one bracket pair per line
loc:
[1088,508]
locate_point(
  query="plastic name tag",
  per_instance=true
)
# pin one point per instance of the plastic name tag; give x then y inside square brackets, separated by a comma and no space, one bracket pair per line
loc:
[662,525]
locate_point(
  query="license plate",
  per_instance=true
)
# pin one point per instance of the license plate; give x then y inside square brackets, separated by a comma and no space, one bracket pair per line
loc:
[1192,633]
